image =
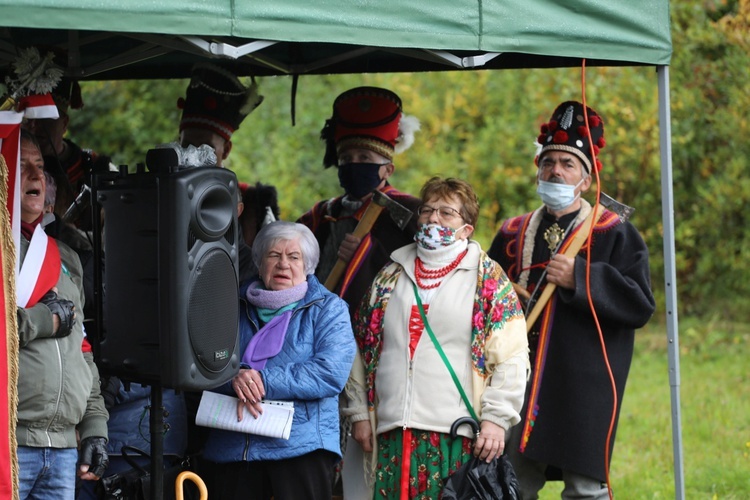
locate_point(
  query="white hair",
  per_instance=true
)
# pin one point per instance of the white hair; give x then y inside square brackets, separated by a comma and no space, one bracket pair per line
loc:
[286,231]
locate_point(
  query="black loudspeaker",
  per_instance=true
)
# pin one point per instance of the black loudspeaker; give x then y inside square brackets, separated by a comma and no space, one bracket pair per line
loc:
[171,277]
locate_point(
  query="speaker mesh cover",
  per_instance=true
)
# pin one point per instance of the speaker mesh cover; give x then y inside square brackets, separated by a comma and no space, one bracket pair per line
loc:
[213,310]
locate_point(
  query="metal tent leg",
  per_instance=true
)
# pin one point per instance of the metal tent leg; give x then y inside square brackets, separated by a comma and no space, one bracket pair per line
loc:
[670,283]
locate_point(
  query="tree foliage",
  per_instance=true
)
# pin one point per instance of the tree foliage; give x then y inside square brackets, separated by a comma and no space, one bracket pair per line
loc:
[481,126]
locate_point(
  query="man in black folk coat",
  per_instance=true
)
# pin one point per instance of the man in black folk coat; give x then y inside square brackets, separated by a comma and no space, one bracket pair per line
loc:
[569,399]
[366,130]
[362,136]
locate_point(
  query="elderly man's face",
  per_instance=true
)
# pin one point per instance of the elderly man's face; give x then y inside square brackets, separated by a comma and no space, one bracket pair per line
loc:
[563,168]
[199,136]
[33,187]
[282,266]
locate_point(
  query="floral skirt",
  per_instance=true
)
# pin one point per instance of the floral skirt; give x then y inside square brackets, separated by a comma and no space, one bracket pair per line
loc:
[429,458]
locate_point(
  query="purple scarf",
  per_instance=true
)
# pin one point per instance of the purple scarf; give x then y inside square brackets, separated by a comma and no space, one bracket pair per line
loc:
[274,299]
[267,342]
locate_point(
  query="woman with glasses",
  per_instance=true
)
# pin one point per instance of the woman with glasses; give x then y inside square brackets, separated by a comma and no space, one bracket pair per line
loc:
[441,293]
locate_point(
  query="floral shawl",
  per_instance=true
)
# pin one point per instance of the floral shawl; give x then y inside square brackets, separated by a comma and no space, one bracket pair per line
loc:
[495,303]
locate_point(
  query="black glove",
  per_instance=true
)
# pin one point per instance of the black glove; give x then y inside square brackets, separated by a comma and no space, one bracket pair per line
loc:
[93,453]
[65,310]
[110,387]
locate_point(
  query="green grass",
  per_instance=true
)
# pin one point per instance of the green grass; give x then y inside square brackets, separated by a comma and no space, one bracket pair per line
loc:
[715,413]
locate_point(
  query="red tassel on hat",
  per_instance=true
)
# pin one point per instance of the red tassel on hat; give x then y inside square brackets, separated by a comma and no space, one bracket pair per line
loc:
[76,100]
[560,137]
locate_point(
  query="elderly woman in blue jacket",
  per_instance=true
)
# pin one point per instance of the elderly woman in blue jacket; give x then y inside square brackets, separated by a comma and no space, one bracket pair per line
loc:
[297,345]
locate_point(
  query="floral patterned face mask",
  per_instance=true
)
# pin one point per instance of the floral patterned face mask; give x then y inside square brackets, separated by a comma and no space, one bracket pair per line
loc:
[434,236]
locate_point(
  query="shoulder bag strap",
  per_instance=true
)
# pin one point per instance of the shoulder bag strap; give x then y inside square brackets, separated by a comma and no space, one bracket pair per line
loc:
[443,356]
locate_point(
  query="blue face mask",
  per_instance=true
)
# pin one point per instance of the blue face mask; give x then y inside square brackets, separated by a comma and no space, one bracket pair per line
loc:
[557,196]
[360,179]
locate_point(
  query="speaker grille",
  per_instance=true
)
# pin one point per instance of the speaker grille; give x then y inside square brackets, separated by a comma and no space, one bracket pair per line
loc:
[213,310]
[229,235]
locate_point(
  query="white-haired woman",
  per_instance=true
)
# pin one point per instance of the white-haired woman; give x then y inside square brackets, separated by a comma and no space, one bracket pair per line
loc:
[297,345]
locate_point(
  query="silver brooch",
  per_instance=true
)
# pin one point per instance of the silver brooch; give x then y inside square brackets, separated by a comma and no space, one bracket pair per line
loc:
[567,119]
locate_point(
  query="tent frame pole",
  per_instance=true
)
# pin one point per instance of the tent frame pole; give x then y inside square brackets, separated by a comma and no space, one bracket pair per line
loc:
[670,277]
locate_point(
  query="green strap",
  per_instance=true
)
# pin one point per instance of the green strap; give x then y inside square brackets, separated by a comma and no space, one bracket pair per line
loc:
[443,356]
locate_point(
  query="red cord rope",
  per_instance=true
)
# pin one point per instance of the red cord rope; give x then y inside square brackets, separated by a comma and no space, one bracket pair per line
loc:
[588,285]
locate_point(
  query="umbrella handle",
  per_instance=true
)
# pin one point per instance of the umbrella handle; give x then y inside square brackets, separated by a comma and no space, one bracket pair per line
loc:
[192,476]
[461,421]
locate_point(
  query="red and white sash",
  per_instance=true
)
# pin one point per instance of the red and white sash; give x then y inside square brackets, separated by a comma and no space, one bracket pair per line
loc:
[34,106]
[40,270]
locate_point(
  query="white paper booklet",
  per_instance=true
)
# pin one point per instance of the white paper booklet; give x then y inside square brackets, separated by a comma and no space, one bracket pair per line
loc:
[220,411]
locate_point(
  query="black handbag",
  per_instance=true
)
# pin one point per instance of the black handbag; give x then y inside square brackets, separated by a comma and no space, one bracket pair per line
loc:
[479,480]
[135,483]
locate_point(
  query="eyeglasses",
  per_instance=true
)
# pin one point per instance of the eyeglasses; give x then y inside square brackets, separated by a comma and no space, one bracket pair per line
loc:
[444,213]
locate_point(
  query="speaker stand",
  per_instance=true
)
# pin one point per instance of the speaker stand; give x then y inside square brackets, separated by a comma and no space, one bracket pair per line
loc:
[156,424]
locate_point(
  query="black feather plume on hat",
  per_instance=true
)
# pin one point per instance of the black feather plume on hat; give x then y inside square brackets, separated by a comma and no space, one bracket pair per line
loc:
[267,196]
[331,157]
[258,199]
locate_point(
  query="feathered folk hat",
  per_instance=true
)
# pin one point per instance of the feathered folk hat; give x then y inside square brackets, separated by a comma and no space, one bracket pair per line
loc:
[368,118]
[216,100]
[566,131]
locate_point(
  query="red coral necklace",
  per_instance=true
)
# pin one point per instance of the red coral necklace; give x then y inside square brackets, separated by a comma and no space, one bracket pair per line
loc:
[420,272]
